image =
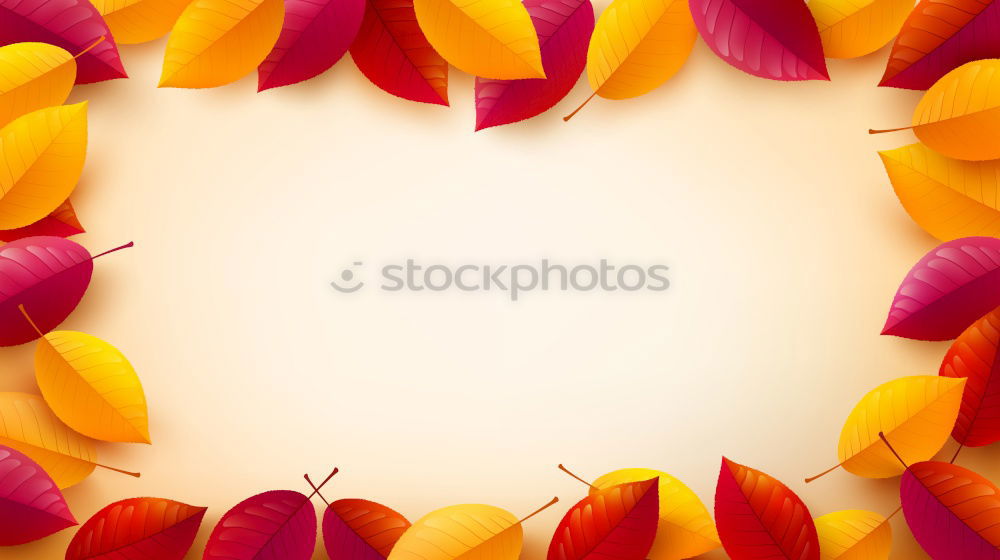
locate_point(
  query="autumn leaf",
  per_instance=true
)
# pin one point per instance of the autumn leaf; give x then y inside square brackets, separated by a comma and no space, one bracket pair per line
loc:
[140,21]
[853,28]
[685,528]
[91,387]
[486,38]
[949,288]
[953,512]
[959,116]
[33,76]
[939,36]
[778,40]
[564,28]
[948,198]
[392,52]
[314,36]
[618,522]
[916,414]
[31,505]
[637,45]
[47,276]
[29,426]
[280,524]
[147,528]
[74,25]
[61,222]
[216,42]
[466,532]
[41,159]
[361,530]
[759,517]
[973,357]
[854,535]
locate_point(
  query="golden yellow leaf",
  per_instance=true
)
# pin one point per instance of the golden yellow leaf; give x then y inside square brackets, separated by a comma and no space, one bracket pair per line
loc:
[854,535]
[139,21]
[853,28]
[33,76]
[466,532]
[28,425]
[685,529]
[959,116]
[949,198]
[486,38]
[638,45]
[41,158]
[216,42]
[915,413]
[91,387]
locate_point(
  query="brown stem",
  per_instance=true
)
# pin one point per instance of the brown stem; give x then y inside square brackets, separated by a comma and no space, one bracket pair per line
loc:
[567,471]
[582,105]
[824,473]
[961,446]
[28,317]
[99,40]
[893,514]
[881,436]
[130,473]
[877,131]
[316,490]
[119,248]
[551,503]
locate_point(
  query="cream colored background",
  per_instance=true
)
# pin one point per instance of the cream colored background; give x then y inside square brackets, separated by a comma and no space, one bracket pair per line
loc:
[766,199]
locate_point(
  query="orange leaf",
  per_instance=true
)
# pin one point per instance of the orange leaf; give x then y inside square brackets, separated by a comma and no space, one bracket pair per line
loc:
[618,522]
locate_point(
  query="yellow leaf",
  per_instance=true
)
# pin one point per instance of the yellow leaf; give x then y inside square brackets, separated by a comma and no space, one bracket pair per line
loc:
[949,198]
[466,532]
[27,424]
[139,21]
[216,42]
[854,535]
[41,158]
[959,116]
[486,38]
[33,76]
[685,529]
[91,387]
[853,28]
[638,45]
[915,413]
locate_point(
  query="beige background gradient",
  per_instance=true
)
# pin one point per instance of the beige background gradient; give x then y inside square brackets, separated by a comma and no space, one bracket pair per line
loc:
[766,199]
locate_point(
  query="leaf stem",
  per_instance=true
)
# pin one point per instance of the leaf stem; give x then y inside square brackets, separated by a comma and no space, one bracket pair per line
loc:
[582,105]
[119,248]
[551,503]
[824,473]
[316,490]
[893,514]
[961,446]
[567,471]
[877,131]
[881,436]
[99,40]
[24,312]
[130,473]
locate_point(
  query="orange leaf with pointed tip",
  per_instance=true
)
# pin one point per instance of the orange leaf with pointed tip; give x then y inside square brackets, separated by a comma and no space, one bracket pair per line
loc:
[618,522]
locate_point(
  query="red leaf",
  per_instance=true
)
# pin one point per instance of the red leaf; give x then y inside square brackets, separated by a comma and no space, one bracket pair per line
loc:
[147,528]
[758,517]
[275,525]
[939,36]
[953,512]
[31,505]
[315,34]
[947,290]
[564,28]
[394,54]
[361,530]
[776,39]
[617,523]
[61,222]
[974,356]
[73,25]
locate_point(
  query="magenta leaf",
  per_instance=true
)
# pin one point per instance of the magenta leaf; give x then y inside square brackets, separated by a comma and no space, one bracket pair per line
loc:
[947,290]
[275,525]
[564,28]
[314,36]
[31,505]
[74,25]
[953,512]
[776,39]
